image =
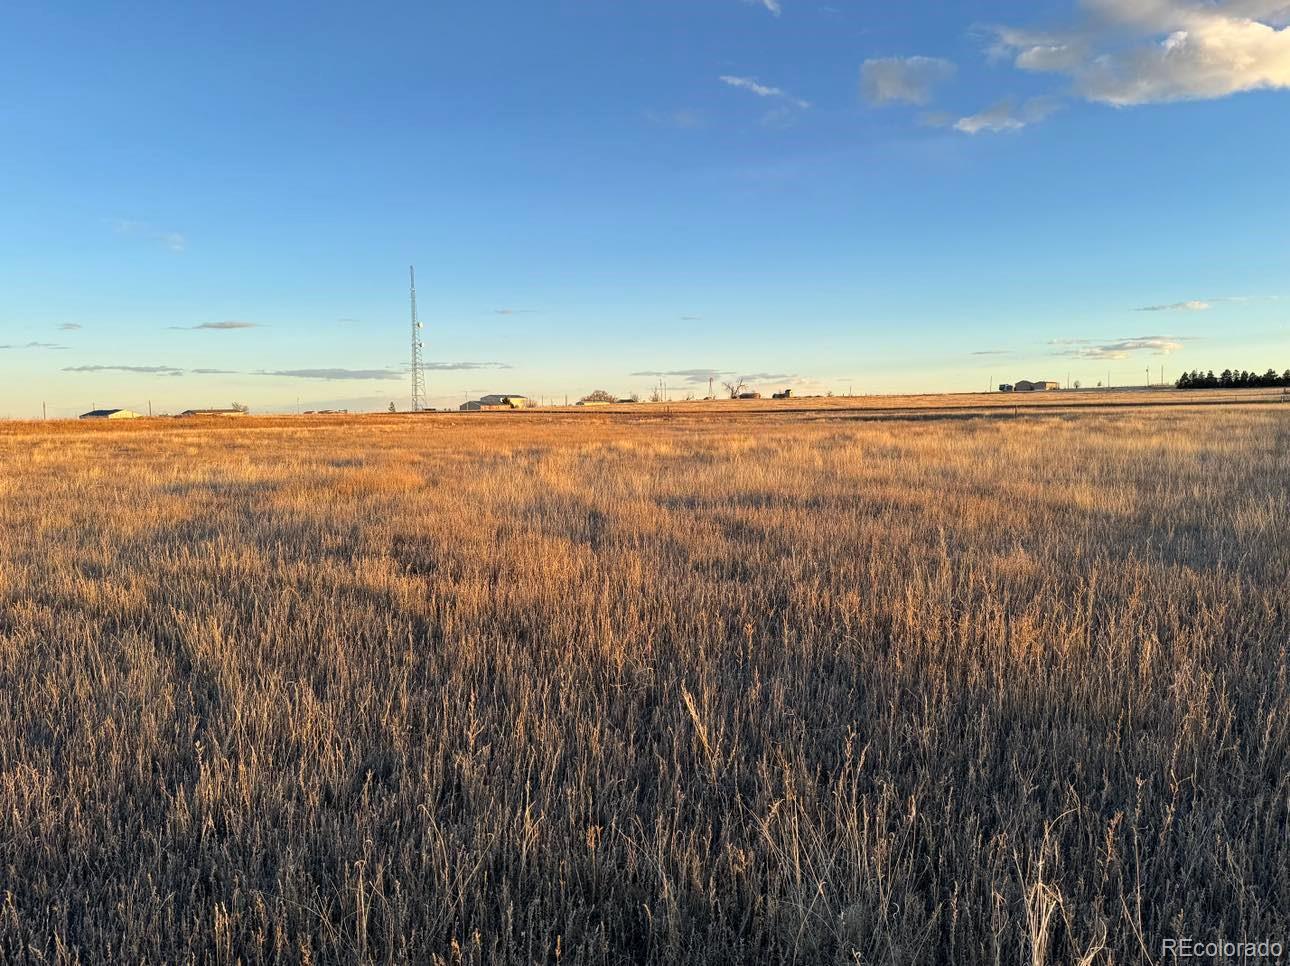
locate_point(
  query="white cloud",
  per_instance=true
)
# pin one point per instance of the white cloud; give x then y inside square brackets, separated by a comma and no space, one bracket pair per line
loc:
[1154,51]
[763,90]
[903,80]
[1196,305]
[771,5]
[1158,345]
[1005,117]
[994,120]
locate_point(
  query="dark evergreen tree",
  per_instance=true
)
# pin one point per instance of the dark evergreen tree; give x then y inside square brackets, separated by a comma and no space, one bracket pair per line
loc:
[1233,379]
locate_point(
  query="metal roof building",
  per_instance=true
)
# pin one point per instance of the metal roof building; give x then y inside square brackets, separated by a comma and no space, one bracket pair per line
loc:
[496,401]
[111,414]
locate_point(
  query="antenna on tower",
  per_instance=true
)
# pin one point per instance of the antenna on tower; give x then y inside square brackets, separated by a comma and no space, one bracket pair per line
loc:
[418,373]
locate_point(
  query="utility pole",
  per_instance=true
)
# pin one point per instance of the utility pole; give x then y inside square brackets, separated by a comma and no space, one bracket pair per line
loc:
[44,412]
[149,408]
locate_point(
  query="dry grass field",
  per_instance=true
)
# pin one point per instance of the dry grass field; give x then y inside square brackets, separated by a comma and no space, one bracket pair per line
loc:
[803,688]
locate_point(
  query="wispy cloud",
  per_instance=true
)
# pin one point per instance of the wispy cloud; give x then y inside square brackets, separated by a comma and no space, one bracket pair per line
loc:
[337,374]
[991,352]
[771,5]
[70,327]
[129,228]
[514,311]
[138,370]
[463,366]
[1158,345]
[753,86]
[1202,305]
[1006,117]
[215,372]
[694,376]
[1196,305]
[33,345]
[218,326]
[686,120]
[903,80]
[334,375]
[1130,52]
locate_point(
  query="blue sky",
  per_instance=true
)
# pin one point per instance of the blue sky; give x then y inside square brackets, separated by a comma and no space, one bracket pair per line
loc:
[928,196]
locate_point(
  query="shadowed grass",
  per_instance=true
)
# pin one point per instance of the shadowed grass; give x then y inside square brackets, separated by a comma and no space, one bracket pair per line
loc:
[596,690]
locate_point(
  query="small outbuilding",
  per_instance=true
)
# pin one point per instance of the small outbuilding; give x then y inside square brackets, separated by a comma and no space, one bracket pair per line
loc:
[213,412]
[1043,385]
[111,414]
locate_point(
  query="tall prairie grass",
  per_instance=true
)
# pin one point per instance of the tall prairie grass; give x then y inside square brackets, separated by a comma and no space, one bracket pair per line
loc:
[593,691]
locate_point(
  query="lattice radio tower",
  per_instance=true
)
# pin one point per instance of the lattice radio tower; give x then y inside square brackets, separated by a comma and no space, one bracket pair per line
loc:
[418,373]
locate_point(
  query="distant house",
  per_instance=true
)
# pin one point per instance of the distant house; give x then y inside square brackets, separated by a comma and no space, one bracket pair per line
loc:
[508,400]
[111,414]
[496,402]
[750,395]
[786,394]
[213,412]
[1043,385]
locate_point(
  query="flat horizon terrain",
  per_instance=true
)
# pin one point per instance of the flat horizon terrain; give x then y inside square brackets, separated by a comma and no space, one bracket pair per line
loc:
[894,679]
[928,405]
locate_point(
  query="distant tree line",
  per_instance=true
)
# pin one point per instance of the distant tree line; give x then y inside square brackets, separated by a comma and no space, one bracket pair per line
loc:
[1231,379]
